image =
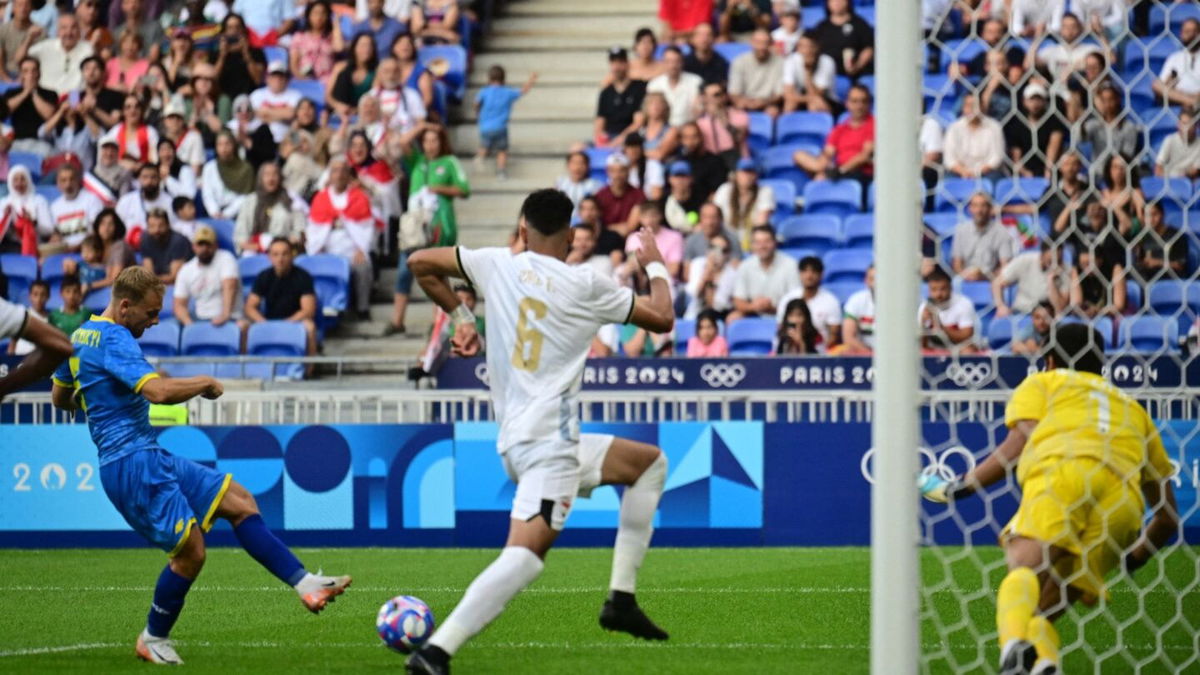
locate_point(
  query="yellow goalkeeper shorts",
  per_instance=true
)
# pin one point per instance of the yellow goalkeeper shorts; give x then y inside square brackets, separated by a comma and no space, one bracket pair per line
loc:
[1083,508]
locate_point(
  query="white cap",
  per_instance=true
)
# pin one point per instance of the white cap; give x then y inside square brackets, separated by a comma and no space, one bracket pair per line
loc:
[277,67]
[1035,89]
[617,159]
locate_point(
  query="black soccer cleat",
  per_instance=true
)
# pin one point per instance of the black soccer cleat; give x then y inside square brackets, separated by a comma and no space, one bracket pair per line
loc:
[621,613]
[1017,658]
[428,660]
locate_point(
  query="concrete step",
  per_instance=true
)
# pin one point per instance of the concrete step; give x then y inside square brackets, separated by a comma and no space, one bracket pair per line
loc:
[533,138]
[582,68]
[526,173]
[547,102]
[645,9]
[498,208]
[603,24]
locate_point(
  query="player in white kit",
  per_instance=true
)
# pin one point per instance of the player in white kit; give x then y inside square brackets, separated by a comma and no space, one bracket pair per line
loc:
[542,315]
[17,322]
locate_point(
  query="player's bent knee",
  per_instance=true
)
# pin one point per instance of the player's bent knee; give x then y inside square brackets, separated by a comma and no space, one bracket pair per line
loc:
[237,504]
[189,559]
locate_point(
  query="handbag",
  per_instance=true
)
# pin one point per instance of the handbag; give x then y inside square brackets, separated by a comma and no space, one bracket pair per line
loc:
[414,223]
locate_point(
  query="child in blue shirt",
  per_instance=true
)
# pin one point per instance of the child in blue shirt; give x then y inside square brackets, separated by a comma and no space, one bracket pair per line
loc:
[91,268]
[493,106]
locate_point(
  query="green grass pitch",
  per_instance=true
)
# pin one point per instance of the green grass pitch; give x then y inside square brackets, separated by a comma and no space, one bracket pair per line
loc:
[775,610]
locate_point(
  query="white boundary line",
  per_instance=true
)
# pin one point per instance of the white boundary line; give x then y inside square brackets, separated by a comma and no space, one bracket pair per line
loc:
[566,590]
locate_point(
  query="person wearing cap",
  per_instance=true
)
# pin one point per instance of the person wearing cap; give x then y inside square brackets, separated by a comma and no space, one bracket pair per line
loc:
[208,282]
[60,57]
[1036,139]
[275,104]
[74,210]
[108,180]
[756,77]
[618,199]
[683,203]
[164,251]
[617,112]
[187,141]
[137,142]
[743,202]
[254,139]
[704,60]
[681,89]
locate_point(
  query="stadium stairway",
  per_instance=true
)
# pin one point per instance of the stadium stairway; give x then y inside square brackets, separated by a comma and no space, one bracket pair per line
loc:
[565,42]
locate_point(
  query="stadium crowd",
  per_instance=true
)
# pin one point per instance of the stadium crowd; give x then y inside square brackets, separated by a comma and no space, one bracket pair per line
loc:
[197,139]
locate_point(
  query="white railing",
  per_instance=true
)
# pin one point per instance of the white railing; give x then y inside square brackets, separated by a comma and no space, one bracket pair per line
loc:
[409,406]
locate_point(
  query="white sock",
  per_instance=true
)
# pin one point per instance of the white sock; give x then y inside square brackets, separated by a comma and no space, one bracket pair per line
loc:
[486,597]
[637,525]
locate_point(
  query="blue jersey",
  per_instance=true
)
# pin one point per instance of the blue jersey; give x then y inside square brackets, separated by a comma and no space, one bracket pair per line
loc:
[496,102]
[108,370]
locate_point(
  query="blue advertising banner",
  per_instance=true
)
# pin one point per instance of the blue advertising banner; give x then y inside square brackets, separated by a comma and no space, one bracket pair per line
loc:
[729,483]
[8,362]
[821,372]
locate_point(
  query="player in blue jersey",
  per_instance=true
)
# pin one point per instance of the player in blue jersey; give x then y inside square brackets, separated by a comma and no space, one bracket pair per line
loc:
[169,500]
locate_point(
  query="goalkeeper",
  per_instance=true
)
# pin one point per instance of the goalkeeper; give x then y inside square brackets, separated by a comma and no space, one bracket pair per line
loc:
[1088,459]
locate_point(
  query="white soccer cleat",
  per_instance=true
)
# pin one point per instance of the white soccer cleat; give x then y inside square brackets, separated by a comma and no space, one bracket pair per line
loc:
[157,650]
[317,590]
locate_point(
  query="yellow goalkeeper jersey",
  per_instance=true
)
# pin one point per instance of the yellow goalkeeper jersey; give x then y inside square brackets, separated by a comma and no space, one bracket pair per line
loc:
[1081,416]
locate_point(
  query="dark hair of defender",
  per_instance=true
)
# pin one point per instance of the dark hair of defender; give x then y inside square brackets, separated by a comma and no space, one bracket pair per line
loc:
[548,211]
[1076,346]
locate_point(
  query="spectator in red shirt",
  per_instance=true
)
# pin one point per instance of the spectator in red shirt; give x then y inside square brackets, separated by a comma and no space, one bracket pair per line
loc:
[850,148]
[618,199]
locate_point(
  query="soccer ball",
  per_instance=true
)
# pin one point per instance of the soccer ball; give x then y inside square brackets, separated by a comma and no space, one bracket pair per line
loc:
[404,623]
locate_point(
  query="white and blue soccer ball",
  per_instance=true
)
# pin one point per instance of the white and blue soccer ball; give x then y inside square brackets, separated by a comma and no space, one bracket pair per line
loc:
[404,623]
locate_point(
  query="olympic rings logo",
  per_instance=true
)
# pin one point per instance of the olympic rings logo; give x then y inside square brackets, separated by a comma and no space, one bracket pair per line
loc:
[930,462]
[481,372]
[969,374]
[722,374]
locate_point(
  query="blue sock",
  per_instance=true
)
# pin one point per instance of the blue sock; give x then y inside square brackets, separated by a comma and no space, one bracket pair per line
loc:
[262,545]
[169,595]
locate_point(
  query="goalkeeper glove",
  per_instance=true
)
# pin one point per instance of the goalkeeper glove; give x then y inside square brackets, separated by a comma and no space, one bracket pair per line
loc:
[937,489]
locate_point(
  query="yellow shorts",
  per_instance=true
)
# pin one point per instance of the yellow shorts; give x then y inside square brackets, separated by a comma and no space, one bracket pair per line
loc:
[1083,508]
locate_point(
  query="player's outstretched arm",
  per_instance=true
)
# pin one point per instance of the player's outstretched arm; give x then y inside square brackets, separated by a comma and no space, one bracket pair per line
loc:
[655,313]
[52,348]
[990,471]
[432,268]
[1164,524]
[169,390]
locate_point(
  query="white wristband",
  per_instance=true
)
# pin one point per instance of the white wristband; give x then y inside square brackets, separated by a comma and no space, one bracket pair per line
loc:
[657,270]
[462,314]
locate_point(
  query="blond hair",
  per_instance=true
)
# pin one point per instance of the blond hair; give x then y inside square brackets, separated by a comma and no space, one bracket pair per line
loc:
[133,283]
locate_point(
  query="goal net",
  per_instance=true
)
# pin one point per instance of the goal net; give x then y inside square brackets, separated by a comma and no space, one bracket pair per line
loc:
[1060,189]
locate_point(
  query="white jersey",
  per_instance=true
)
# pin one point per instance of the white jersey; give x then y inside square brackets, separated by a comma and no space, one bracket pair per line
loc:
[73,217]
[541,317]
[12,319]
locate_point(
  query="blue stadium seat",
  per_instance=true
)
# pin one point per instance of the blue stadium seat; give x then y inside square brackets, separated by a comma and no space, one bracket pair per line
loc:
[596,158]
[961,51]
[249,267]
[840,197]
[224,229]
[1001,331]
[97,301]
[684,330]
[846,265]
[939,92]
[281,54]
[1148,54]
[954,194]
[803,127]
[785,195]
[942,223]
[204,339]
[729,50]
[52,267]
[29,160]
[751,337]
[777,163]
[168,304]
[1172,15]
[1149,333]
[312,90]
[1133,295]
[277,338]
[796,253]
[1167,297]
[817,232]
[844,289]
[662,49]
[978,292]
[1159,128]
[811,16]
[1178,189]
[331,277]
[21,271]
[867,13]
[858,231]
[50,192]
[456,76]
[161,340]
[1019,190]
[841,87]
[762,132]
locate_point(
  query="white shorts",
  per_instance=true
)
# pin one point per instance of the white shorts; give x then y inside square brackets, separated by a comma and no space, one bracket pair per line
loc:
[549,475]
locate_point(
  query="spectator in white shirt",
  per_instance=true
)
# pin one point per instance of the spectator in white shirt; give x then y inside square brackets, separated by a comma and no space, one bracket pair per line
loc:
[61,58]
[1068,53]
[824,307]
[178,179]
[1103,17]
[763,279]
[577,182]
[583,252]
[407,12]
[681,89]
[808,78]
[74,210]
[756,77]
[947,319]
[785,37]
[1179,155]
[1034,18]
[711,279]
[226,180]
[275,104]
[133,206]
[744,202]
[858,318]
[1039,277]
[1179,80]
[974,143]
[210,280]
